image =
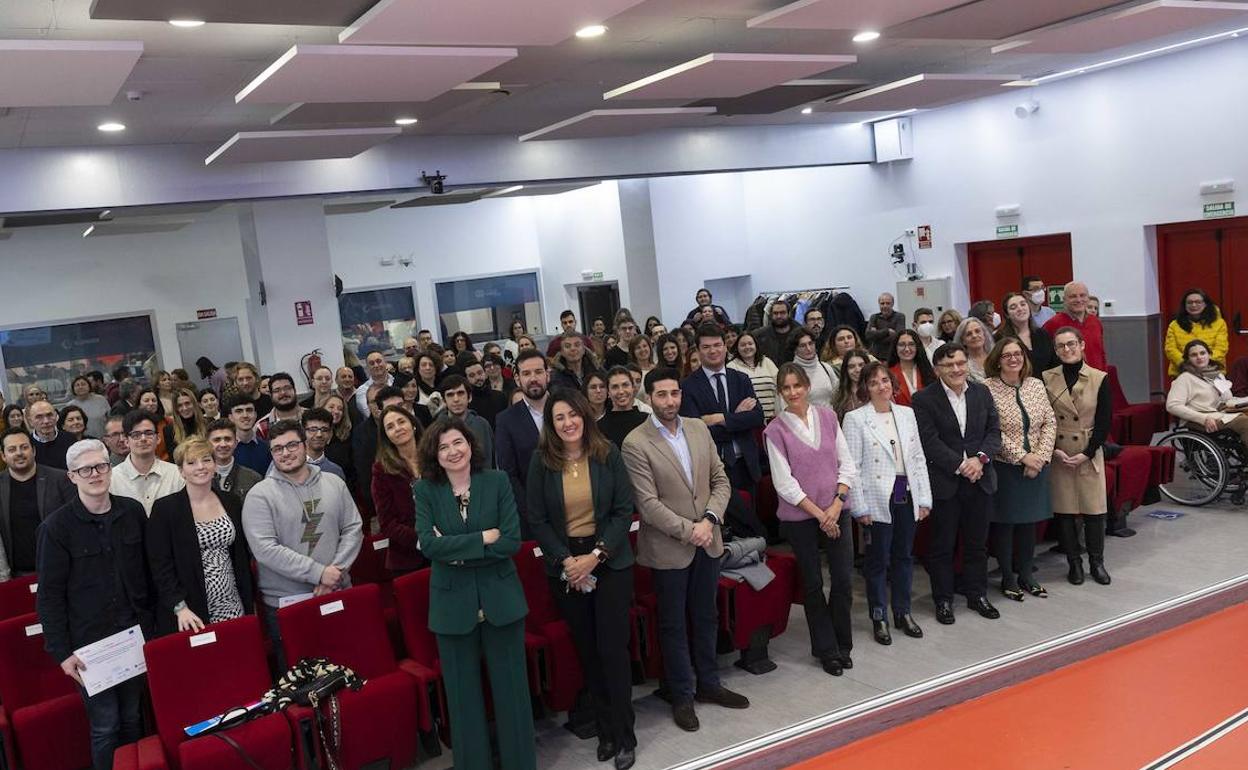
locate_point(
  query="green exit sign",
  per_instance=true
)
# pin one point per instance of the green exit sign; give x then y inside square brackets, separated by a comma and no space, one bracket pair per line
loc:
[1007,231]
[1218,210]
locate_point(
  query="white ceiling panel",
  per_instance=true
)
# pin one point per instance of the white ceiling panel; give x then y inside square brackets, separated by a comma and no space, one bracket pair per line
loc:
[598,123]
[848,14]
[925,90]
[351,73]
[479,22]
[60,73]
[268,146]
[726,75]
[1134,25]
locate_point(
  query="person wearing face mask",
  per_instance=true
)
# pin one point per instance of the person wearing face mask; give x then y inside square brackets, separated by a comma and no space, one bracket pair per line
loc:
[1076,316]
[1020,325]
[1036,295]
[925,325]
[883,327]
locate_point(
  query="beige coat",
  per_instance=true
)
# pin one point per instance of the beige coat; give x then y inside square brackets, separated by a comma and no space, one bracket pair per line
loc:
[1080,490]
[1193,399]
[669,506]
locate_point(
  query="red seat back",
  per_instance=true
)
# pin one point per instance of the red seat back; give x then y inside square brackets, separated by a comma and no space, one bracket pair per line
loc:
[411,591]
[370,565]
[347,627]
[196,676]
[532,571]
[1118,398]
[17,596]
[28,674]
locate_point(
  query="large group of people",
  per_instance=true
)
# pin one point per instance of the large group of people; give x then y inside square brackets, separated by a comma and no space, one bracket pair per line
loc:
[148,506]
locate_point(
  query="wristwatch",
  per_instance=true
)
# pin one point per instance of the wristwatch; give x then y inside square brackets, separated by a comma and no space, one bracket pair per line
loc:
[842,496]
[600,555]
[709,515]
[983,458]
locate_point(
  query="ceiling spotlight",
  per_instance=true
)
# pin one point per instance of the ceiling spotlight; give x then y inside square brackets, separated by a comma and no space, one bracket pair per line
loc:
[593,30]
[111,128]
[1026,109]
[866,36]
[405,121]
[807,110]
[187,23]
[88,231]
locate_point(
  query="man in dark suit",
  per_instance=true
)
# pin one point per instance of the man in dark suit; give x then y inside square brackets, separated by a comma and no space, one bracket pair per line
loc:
[28,493]
[724,399]
[960,431]
[519,425]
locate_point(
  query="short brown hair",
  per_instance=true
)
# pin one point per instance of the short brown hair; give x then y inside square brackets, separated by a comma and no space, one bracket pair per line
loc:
[992,364]
[868,371]
[550,445]
[430,468]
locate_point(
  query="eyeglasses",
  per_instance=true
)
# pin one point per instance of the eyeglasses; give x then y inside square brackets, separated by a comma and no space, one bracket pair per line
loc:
[315,429]
[87,471]
[1015,354]
[1071,345]
[114,434]
[138,434]
[279,449]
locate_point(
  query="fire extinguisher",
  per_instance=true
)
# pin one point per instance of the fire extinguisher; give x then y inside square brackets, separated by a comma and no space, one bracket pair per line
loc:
[310,363]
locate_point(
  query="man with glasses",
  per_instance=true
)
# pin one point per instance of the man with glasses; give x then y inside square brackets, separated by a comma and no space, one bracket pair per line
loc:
[142,475]
[961,433]
[302,526]
[249,449]
[625,330]
[115,439]
[29,492]
[50,443]
[817,324]
[93,584]
[318,424]
[285,403]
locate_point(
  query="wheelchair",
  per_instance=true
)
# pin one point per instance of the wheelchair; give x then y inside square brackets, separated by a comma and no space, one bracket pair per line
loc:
[1206,466]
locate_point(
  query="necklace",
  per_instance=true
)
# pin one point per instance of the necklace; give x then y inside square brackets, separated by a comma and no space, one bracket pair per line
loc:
[576,469]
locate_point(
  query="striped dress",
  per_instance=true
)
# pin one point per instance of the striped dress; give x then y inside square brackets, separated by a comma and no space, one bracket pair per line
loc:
[763,377]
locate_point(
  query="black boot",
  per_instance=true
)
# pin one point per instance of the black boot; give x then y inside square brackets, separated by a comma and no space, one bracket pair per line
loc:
[1068,537]
[1095,533]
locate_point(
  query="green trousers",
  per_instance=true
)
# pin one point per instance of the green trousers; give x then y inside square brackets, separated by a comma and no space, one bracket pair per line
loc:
[503,650]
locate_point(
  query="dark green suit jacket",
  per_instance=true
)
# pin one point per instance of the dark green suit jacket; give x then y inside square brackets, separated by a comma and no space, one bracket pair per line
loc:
[613,510]
[468,574]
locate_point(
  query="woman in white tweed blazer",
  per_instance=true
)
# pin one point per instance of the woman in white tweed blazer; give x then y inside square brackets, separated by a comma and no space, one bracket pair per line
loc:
[892,495]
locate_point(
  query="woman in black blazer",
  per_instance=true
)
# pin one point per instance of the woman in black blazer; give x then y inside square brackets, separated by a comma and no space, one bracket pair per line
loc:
[196,550]
[580,507]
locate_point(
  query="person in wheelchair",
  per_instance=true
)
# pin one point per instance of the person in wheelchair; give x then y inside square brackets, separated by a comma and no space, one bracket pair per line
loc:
[1199,396]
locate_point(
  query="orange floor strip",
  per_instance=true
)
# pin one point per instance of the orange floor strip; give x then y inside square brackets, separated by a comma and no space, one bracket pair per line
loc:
[1226,753]
[1121,709]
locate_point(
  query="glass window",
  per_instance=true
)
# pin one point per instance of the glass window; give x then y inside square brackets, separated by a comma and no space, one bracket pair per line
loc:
[52,355]
[377,319]
[485,307]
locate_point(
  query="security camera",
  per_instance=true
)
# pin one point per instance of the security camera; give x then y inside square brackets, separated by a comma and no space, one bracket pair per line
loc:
[134,96]
[1025,110]
[435,183]
[406,260]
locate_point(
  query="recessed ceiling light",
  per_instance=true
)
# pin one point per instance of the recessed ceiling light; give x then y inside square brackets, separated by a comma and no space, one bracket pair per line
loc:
[866,36]
[88,231]
[593,30]
[807,110]
[186,23]
[111,128]
[405,121]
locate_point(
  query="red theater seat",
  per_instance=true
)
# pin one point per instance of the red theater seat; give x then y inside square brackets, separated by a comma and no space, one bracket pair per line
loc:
[349,628]
[411,591]
[554,668]
[17,596]
[751,618]
[195,676]
[1127,478]
[42,718]
[1134,423]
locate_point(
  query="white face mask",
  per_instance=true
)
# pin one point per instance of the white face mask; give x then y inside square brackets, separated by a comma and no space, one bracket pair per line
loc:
[927,328]
[996,320]
[1037,297]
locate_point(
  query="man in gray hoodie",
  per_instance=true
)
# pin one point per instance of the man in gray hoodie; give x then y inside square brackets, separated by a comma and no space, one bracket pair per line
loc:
[302,526]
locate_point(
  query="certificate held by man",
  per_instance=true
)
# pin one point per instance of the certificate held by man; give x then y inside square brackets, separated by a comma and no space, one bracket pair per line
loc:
[112,660]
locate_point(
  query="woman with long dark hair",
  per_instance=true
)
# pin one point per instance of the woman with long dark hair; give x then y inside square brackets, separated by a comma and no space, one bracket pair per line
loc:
[1198,319]
[395,471]
[73,421]
[668,353]
[748,359]
[580,507]
[1021,326]
[850,393]
[1199,394]
[909,365]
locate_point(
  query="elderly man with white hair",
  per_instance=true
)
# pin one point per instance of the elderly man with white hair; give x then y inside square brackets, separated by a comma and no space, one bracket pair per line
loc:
[1077,316]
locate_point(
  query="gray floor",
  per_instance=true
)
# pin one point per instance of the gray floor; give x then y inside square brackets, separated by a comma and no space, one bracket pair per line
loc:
[1166,559]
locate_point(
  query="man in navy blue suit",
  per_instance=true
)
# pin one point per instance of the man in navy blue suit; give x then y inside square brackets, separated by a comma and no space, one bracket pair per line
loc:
[724,399]
[517,427]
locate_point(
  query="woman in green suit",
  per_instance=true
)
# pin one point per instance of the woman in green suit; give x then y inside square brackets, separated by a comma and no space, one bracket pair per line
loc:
[468,527]
[580,506]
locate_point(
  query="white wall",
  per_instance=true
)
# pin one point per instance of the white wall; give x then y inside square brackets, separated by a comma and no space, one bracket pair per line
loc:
[577,231]
[1108,154]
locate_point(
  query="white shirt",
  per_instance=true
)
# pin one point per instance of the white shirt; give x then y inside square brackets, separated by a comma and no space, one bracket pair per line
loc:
[930,346]
[886,424]
[958,402]
[808,432]
[679,445]
[536,414]
[163,479]
[361,393]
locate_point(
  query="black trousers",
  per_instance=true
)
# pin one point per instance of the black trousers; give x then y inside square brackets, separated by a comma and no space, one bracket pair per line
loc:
[741,518]
[689,622]
[1015,548]
[828,619]
[601,632]
[966,513]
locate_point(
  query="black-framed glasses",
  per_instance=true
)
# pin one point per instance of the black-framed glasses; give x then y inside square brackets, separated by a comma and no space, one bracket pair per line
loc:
[87,471]
[138,434]
[278,449]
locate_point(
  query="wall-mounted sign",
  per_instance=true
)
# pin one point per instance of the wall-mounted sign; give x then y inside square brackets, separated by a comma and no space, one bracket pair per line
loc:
[1218,210]
[925,236]
[206,313]
[1007,231]
[1057,297]
[303,312]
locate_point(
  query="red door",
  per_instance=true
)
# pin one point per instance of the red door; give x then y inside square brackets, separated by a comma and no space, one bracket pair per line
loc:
[996,268]
[1208,255]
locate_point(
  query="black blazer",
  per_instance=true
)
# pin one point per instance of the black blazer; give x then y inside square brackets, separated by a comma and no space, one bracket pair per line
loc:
[613,511]
[698,398]
[176,564]
[515,439]
[943,442]
[52,490]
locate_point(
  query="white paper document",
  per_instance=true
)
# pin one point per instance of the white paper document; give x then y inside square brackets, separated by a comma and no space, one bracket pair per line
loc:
[286,601]
[112,660]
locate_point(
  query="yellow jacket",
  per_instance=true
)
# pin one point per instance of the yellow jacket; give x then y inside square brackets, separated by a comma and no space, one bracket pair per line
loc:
[1214,335]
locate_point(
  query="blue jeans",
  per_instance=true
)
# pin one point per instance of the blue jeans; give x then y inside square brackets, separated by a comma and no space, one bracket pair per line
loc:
[889,554]
[116,718]
[688,618]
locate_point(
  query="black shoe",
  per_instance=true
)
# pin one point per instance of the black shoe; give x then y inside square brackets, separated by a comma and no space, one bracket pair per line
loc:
[908,626]
[606,750]
[846,662]
[880,630]
[981,605]
[1097,568]
[832,665]
[944,613]
[723,697]
[1015,594]
[685,717]
[1075,575]
[625,759]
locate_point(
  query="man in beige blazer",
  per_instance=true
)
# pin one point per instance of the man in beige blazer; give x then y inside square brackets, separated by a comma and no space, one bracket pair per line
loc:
[681,490]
